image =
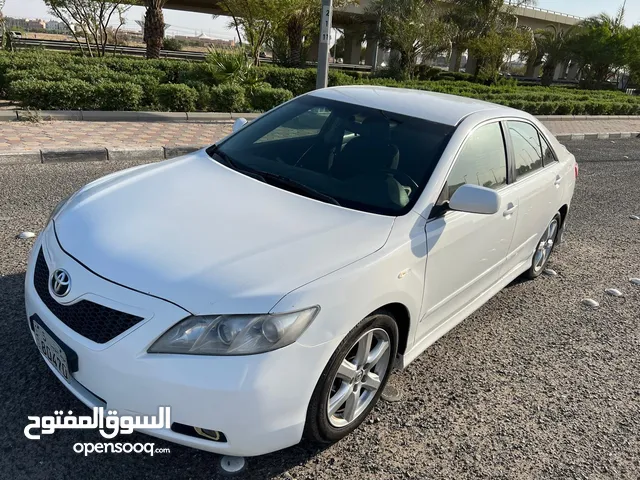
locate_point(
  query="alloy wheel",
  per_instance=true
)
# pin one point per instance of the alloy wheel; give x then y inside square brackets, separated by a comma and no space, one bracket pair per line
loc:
[545,246]
[359,377]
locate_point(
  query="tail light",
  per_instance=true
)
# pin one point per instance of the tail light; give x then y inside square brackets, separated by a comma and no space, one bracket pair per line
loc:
[576,169]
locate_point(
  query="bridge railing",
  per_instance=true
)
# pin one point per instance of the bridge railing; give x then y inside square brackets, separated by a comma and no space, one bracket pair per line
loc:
[528,7]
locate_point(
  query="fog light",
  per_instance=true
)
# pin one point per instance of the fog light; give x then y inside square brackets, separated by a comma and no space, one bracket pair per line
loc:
[210,434]
[197,432]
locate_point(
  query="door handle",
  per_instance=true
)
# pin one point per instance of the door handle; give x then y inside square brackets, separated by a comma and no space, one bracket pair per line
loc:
[509,211]
[558,180]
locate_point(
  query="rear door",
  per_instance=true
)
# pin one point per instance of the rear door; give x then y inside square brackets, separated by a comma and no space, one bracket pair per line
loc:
[538,183]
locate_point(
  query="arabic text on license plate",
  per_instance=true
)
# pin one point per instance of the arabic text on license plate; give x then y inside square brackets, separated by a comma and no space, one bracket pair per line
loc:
[52,350]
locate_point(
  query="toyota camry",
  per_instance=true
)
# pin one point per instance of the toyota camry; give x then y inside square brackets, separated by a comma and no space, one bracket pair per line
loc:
[265,287]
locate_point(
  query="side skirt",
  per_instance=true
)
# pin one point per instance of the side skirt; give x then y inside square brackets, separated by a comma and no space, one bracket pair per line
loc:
[438,332]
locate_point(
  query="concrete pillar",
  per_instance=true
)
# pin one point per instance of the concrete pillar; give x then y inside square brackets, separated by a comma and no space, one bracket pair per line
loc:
[370,53]
[352,47]
[454,59]
[573,71]
[559,73]
[472,65]
[536,71]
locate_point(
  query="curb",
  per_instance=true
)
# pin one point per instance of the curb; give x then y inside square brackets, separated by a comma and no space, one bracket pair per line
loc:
[125,116]
[102,154]
[596,136]
[565,118]
[99,116]
[124,154]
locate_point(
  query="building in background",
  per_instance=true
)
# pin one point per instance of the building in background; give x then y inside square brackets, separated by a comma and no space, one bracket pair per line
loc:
[54,26]
[36,24]
[16,23]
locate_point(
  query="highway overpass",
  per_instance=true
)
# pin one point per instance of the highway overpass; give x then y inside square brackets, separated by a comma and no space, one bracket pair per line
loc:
[353,20]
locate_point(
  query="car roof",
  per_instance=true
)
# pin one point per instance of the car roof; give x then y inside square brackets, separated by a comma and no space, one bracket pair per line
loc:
[431,106]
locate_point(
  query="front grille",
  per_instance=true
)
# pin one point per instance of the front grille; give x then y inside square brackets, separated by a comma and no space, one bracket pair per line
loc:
[91,320]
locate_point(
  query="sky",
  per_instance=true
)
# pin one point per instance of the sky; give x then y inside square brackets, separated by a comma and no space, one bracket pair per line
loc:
[185,23]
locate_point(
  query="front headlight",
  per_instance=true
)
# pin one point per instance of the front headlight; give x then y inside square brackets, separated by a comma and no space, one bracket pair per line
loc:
[57,209]
[234,334]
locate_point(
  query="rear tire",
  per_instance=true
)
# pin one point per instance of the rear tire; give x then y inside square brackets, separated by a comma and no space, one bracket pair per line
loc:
[544,248]
[353,380]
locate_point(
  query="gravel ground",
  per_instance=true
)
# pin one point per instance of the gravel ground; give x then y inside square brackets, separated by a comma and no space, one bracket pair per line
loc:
[533,385]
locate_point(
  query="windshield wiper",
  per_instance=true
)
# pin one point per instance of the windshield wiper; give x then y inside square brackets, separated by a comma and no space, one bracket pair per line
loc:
[272,177]
[229,162]
[295,185]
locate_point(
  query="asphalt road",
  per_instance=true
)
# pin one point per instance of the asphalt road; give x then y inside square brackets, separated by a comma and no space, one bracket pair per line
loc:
[533,385]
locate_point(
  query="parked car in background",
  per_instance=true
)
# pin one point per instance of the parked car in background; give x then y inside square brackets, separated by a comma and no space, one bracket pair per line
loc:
[265,287]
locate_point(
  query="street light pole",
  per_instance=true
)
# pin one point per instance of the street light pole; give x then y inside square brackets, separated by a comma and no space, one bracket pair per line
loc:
[323,46]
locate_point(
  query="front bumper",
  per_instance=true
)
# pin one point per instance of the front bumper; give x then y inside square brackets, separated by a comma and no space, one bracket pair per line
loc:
[258,401]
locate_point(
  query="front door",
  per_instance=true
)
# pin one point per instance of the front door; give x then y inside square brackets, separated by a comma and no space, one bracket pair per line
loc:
[466,251]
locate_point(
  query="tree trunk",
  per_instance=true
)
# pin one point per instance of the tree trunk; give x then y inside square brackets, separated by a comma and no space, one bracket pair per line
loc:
[547,75]
[294,35]
[153,30]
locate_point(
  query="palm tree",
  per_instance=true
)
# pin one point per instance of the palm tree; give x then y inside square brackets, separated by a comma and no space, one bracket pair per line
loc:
[477,18]
[599,45]
[555,45]
[154,27]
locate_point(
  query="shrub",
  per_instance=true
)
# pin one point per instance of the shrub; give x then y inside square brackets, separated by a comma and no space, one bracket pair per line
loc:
[296,80]
[266,98]
[578,108]
[425,72]
[598,108]
[565,108]
[117,96]
[49,95]
[457,76]
[177,97]
[335,78]
[203,101]
[228,98]
[172,44]
[50,80]
[547,108]
[149,85]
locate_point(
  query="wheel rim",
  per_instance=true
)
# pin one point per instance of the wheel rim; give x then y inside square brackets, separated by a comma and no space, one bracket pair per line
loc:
[545,246]
[359,377]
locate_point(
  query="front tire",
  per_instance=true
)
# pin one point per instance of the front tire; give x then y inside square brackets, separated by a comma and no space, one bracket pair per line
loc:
[544,248]
[353,380]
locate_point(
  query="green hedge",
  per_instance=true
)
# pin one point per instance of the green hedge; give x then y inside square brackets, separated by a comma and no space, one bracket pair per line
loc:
[266,98]
[51,95]
[56,80]
[76,95]
[177,97]
[117,96]
[228,98]
[300,80]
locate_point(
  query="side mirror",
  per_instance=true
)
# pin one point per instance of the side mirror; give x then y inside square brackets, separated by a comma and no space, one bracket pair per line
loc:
[238,124]
[475,199]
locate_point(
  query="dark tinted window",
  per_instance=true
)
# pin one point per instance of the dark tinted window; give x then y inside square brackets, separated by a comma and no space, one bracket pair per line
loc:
[526,147]
[482,161]
[363,158]
[547,154]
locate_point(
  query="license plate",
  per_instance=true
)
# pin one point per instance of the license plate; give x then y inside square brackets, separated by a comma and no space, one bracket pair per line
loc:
[53,349]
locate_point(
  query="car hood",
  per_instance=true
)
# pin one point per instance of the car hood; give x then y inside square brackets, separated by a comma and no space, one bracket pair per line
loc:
[208,238]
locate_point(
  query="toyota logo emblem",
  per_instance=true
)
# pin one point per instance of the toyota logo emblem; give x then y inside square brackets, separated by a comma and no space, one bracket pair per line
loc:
[60,283]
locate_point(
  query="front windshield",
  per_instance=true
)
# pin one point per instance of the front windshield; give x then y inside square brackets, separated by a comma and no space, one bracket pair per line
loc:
[353,156]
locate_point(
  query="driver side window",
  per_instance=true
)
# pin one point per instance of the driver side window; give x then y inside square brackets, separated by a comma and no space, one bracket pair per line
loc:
[482,161]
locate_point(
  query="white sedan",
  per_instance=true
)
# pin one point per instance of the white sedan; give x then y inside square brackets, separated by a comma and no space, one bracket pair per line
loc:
[264,288]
